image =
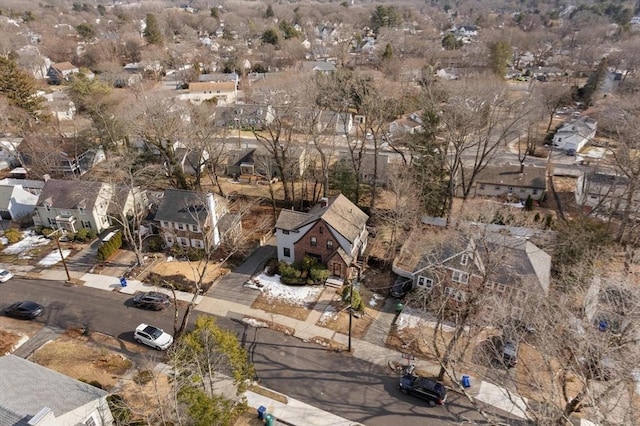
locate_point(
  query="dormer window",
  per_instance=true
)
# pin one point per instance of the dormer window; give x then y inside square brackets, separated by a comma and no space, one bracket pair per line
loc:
[464,259]
[47,206]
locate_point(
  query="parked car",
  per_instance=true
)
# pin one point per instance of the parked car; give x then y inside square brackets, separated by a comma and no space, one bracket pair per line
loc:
[151,300]
[153,336]
[5,275]
[24,310]
[401,286]
[429,390]
[509,353]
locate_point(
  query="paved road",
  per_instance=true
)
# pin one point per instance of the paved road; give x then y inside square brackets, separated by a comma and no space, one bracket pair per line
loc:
[335,382]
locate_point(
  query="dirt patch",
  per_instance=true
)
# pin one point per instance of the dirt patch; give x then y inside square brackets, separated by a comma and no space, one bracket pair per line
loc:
[72,356]
[184,274]
[147,391]
[336,315]
[12,330]
[249,418]
[7,341]
[281,307]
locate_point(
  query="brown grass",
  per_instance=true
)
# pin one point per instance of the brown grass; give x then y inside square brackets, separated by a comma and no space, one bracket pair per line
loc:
[7,341]
[281,307]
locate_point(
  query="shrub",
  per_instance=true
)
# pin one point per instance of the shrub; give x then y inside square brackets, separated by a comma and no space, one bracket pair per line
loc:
[13,235]
[155,244]
[319,274]
[143,377]
[84,235]
[195,254]
[356,302]
[107,248]
[289,271]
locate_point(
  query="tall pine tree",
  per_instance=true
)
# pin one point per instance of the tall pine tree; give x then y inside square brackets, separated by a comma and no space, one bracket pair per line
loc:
[152,33]
[19,87]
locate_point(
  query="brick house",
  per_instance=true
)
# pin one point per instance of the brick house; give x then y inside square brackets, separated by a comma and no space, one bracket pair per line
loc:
[493,265]
[515,182]
[192,219]
[333,232]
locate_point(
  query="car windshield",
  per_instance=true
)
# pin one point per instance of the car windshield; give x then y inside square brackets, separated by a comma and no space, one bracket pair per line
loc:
[3,272]
[27,306]
[153,331]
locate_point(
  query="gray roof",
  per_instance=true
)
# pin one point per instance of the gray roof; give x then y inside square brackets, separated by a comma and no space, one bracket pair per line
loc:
[26,388]
[340,214]
[6,192]
[70,194]
[183,206]
[531,177]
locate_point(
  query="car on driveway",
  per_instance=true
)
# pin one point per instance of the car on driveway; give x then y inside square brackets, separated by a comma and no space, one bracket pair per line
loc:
[153,336]
[401,286]
[151,300]
[424,388]
[5,275]
[24,310]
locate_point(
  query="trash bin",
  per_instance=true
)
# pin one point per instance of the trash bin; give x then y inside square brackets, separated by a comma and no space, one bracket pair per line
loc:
[123,281]
[466,381]
[399,308]
[269,420]
[262,410]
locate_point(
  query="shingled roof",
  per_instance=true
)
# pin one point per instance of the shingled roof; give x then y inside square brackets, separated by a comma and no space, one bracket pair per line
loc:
[26,388]
[339,213]
[182,206]
[70,194]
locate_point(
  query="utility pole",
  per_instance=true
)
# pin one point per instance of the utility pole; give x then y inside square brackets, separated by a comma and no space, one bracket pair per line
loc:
[64,262]
[350,311]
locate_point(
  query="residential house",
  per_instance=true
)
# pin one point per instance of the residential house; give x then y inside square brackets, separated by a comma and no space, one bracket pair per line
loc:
[30,59]
[318,67]
[515,182]
[457,265]
[245,164]
[60,105]
[71,205]
[409,123]
[9,155]
[224,93]
[32,186]
[605,193]
[333,232]
[60,156]
[61,72]
[193,219]
[467,31]
[16,202]
[368,167]
[334,123]
[327,33]
[574,135]
[244,116]
[34,395]
[192,161]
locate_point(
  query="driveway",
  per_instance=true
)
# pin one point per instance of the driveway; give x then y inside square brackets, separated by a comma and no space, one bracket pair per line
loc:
[230,287]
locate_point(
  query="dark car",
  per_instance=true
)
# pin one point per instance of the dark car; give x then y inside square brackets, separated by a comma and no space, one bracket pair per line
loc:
[429,390]
[401,286]
[151,300]
[505,351]
[24,310]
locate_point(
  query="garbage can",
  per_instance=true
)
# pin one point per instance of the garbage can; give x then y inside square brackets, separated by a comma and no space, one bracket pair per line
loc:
[399,308]
[262,410]
[466,381]
[269,420]
[123,281]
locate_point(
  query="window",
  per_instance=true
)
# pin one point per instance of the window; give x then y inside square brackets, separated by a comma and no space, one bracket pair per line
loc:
[90,421]
[197,243]
[314,241]
[534,192]
[501,288]
[51,220]
[516,312]
[194,228]
[481,186]
[489,285]
[165,224]
[321,230]
[497,188]
[169,239]
[329,244]
[82,209]
[460,296]
[448,291]
[86,224]
[425,282]
[184,242]
[65,212]
[521,189]
[464,259]
[181,226]
[460,277]
[286,252]
[285,232]
[47,207]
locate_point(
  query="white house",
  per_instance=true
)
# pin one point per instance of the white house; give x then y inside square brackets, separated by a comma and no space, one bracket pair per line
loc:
[605,192]
[575,134]
[16,202]
[34,395]
[225,92]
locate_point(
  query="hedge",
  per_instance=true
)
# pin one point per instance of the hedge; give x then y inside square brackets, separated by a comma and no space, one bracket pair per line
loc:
[107,248]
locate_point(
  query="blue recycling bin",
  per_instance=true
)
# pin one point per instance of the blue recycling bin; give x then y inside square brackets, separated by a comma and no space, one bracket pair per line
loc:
[466,381]
[262,410]
[123,281]
[269,420]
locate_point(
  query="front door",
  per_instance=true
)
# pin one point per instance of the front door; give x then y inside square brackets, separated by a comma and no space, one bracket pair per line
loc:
[337,269]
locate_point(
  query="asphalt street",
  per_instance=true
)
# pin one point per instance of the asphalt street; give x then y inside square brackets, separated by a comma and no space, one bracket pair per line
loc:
[332,381]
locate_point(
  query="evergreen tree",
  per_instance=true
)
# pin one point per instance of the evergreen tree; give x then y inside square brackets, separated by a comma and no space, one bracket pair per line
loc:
[19,87]
[270,36]
[586,92]
[499,54]
[86,31]
[269,12]
[388,52]
[385,16]
[451,42]
[152,33]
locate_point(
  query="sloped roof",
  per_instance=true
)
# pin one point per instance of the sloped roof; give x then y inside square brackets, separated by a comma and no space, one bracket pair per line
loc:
[26,388]
[183,206]
[64,66]
[340,213]
[222,86]
[6,192]
[70,194]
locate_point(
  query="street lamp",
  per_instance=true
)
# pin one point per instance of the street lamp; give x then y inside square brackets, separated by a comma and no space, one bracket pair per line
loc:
[64,262]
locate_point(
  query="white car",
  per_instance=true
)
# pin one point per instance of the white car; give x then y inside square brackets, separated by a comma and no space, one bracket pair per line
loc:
[153,336]
[5,275]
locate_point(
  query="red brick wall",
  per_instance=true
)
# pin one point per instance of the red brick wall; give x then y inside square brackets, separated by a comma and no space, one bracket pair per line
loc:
[304,244]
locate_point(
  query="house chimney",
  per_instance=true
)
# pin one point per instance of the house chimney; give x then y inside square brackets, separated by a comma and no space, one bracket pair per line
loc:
[211,209]
[324,202]
[46,177]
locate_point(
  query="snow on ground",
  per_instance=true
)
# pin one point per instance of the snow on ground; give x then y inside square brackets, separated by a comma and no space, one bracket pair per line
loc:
[411,318]
[29,241]
[375,297]
[255,323]
[293,295]
[53,257]
[328,315]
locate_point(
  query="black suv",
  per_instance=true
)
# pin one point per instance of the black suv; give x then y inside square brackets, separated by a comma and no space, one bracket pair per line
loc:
[429,390]
[401,286]
[151,300]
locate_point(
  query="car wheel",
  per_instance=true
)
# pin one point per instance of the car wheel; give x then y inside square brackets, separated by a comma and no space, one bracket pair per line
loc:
[404,391]
[137,340]
[432,403]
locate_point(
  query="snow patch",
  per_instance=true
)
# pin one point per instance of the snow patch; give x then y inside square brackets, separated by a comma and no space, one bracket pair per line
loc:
[375,297]
[29,241]
[293,295]
[54,257]
[329,314]
[255,323]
